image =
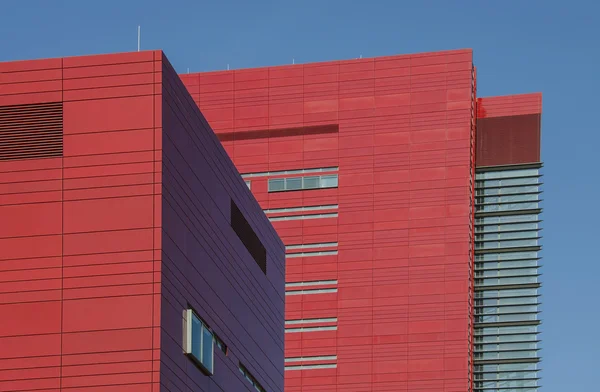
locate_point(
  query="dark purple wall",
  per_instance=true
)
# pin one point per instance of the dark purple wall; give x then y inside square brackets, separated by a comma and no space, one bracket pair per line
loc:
[205,264]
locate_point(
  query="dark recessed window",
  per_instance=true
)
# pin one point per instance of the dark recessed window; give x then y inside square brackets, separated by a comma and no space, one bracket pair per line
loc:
[248,237]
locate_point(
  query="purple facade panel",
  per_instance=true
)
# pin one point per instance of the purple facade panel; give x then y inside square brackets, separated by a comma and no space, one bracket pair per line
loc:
[206,266]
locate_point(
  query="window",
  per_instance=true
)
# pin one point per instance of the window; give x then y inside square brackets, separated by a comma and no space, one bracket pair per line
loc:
[244,231]
[295,363]
[297,209]
[248,184]
[311,325]
[301,217]
[198,341]
[313,245]
[298,183]
[311,254]
[282,172]
[251,378]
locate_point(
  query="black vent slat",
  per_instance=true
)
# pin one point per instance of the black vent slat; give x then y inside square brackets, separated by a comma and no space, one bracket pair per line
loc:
[31,131]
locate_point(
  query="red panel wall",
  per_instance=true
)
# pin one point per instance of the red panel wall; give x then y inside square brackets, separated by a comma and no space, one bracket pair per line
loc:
[400,130]
[80,249]
[106,243]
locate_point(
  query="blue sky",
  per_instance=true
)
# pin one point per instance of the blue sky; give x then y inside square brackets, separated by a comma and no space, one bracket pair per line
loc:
[519,46]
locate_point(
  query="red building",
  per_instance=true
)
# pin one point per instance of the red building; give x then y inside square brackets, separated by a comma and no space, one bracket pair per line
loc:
[367,169]
[122,221]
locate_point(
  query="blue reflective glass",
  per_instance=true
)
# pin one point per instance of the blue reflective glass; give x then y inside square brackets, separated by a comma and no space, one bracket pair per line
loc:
[207,349]
[196,337]
[329,181]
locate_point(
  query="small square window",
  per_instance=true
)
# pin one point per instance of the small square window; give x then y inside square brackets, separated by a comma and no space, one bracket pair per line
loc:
[292,184]
[311,182]
[276,184]
[329,181]
[198,342]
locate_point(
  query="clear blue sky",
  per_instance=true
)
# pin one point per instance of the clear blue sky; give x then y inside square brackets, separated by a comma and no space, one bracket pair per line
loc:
[519,46]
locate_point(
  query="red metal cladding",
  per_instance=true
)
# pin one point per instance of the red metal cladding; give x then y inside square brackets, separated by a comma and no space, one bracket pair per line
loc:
[509,130]
[401,131]
[85,253]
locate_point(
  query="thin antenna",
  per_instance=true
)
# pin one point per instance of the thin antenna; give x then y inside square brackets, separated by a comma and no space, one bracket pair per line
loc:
[139,37]
[360,56]
[188,69]
[293,61]
[228,67]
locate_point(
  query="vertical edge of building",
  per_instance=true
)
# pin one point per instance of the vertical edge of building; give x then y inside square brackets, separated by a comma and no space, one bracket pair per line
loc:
[507,243]
[221,257]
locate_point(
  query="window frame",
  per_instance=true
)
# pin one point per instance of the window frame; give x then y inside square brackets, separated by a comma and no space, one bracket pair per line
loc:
[189,315]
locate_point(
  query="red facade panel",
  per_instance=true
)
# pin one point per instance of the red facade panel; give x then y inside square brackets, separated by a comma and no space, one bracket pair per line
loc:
[79,256]
[399,130]
[83,271]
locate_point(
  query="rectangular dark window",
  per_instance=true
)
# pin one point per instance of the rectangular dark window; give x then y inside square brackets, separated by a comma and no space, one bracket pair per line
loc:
[248,237]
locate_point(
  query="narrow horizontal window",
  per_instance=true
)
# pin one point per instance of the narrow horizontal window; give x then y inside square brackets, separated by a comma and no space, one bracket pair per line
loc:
[506,272]
[311,329]
[507,227]
[513,190]
[246,234]
[311,254]
[507,182]
[302,183]
[311,291]
[513,235]
[312,321]
[488,175]
[506,293]
[506,244]
[508,198]
[303,217]
[198,342]
[284,172]
[311,283]
[313,245]
[301,209]
[492,220]
[220,344]
[251,379]
[248,184]
[532,337]
[308,367]
[506,367]
[315,358]
[517,206]
[506,256]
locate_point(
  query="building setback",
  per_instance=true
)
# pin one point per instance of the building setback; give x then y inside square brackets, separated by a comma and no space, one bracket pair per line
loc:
[401,273]
[132,255]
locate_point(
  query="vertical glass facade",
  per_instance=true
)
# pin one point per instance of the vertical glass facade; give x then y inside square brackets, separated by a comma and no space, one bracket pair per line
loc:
[507,235]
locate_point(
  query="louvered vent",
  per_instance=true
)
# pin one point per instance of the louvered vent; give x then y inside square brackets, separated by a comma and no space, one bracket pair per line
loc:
[31,131]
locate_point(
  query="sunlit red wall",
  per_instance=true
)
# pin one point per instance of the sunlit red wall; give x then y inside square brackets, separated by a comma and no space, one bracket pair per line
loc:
[89,298]
[400,129]
[80,299]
